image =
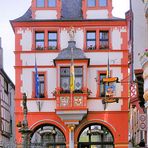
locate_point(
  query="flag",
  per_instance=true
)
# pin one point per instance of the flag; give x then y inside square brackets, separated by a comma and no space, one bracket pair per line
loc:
[72,73]
[108,68]
[37,82]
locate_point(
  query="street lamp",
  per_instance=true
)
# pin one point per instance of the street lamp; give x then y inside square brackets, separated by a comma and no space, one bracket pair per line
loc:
[23,126]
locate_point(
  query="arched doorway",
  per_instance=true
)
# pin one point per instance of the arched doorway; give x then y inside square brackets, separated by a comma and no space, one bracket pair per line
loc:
[47,136]
[95,136]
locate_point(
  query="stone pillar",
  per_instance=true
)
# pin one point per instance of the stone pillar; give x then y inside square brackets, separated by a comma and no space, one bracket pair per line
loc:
[71,135]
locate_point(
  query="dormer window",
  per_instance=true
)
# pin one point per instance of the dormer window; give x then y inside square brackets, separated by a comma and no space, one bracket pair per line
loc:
[102,3]
[51,3]
[96,3]
[91,3]
[40,3]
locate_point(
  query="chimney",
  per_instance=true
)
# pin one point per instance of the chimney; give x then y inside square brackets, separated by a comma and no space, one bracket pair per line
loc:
[1,55]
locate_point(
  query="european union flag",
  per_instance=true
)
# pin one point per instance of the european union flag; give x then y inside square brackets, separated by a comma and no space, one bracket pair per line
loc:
[37,82]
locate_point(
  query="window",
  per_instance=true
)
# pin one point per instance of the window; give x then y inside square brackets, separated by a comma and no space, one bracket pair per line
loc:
[51,3]
[52,40]
[91,3]
[65,78]
[102,3]
[6,87]
[40,3]
[102,85]
[78,78]
[104,41]
[39,40]
[42,88]
[91,40]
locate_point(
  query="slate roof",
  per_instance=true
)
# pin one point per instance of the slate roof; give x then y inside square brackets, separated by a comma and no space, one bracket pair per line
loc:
[67,54]
[26,17]
[71,10]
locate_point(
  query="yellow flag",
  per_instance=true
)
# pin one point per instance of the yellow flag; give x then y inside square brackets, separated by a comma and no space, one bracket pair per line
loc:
[72,78]
[72,73]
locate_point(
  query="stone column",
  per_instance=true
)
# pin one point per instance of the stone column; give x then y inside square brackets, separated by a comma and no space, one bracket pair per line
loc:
[71,135]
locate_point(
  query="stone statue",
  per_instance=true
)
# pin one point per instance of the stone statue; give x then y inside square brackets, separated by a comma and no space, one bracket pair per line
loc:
[24,103]
[72,33]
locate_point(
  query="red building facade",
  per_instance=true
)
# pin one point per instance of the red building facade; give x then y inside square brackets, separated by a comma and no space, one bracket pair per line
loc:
[52,37]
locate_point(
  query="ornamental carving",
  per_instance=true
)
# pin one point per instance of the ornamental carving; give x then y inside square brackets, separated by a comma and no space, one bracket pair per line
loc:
[78,100]
[64,101]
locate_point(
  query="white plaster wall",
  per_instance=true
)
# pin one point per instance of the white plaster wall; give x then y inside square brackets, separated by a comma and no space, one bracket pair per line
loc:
[45,59]
[45,14]
[26,40]
[92,84]
[27,83]
[27,79]
[100,58]
[51,81]
[96,14]
[96,105]
[116,38]
[64,38]
[79,38]
[116,72]
[46,106]
[140,31]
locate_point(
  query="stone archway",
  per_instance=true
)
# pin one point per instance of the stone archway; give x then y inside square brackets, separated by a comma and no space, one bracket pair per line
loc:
[47,136]
[95,136]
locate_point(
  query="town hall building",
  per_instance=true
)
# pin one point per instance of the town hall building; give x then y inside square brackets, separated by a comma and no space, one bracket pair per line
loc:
[71,70]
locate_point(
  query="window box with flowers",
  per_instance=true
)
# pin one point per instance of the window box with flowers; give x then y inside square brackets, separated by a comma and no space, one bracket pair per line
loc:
[144,57]
[60,90]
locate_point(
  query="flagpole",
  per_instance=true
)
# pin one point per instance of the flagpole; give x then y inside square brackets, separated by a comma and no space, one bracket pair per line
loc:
[108,67]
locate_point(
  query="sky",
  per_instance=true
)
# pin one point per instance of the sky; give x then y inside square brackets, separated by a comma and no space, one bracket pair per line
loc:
[11,9]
